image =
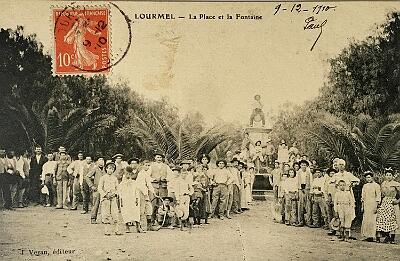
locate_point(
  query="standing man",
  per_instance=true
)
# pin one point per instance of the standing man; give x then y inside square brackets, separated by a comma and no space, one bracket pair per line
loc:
[88,165]
[4,180]
[159,173]
[48,178]
[134,164]
[62,178]
[305,180]
[15,177]
[35,173]
[23,169]
[233,174]
[144,181]
[92,180]
[220,178]
[75,169]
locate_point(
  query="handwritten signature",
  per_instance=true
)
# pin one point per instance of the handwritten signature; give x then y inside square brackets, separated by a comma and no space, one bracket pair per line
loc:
[313,24]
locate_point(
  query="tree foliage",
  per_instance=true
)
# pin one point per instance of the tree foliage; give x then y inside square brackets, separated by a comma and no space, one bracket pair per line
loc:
[356,116]
[87,113]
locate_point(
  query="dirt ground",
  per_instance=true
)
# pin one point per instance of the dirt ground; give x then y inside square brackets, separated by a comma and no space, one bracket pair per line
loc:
[39,233]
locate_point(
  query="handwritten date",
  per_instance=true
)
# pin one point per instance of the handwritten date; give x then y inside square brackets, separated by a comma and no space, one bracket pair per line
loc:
[299,8]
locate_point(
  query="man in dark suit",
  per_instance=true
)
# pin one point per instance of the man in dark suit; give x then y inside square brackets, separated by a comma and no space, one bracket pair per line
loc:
[35,173]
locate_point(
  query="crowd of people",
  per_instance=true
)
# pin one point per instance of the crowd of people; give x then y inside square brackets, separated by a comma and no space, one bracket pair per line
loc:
[306,195]
[151,194]
[142,194]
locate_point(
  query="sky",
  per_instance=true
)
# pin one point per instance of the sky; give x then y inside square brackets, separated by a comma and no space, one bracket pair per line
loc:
[217,66]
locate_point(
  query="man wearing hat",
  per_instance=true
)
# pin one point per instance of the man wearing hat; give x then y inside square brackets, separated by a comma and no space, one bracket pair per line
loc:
[134,164]
[35,172]
[304,178]
[92,179]
[144,181]
[120,166]
[166,213]
[220,179]
[318,192]
[342,174]
[4,180]
[159,173]
[75,171]
[62,178]
[233,182]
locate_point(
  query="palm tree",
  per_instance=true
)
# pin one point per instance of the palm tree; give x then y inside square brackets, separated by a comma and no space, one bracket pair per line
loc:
[150,132]
[369,145]
[75,128]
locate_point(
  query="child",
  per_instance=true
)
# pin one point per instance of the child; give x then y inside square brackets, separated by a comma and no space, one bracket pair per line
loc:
[258,157]
[183,191]
[129,201]
[206,204]
[344,209]
[330,190]
[166,213]
[108,188]
[388,212]
[291,191]
[275,179]
[318,200]
[197,201]
[280,206]
[247,175]
[370,198]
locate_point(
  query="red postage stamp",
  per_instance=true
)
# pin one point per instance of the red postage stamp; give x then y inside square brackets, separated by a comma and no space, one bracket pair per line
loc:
[81,40]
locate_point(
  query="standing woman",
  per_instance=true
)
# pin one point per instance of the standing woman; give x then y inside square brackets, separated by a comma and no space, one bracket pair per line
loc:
[388,216]
[370,198]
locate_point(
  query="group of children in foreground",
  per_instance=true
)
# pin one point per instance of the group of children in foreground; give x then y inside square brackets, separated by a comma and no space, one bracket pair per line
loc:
[325,199]
[192,192]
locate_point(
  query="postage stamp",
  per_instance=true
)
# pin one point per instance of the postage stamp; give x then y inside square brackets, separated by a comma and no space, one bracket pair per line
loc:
[81,40]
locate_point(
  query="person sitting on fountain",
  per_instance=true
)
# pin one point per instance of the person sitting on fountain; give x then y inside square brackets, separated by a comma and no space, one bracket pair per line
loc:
[257,111]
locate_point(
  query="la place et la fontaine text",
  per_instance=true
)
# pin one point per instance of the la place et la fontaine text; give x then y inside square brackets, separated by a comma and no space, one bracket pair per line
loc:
[166,16]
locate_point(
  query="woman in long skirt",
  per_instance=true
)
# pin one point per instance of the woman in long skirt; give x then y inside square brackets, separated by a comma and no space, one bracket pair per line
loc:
[387,220]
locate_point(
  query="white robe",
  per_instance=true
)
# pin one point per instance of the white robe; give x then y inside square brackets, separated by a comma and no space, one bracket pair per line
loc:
[129,197]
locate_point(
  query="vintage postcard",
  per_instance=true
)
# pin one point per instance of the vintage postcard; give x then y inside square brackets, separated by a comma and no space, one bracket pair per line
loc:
[199,130]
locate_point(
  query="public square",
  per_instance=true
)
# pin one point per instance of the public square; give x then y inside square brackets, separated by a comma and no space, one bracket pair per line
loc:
[250,236]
